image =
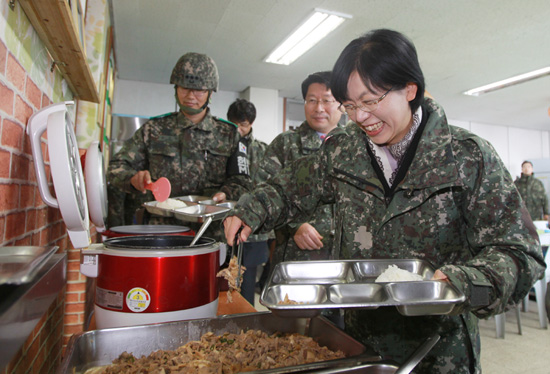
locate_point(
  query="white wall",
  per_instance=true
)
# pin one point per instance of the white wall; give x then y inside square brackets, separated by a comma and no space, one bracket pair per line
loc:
[143,99]
[514,145]
[133,98]
[267,125]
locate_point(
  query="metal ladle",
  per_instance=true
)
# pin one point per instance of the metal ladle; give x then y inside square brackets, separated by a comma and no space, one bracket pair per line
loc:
[201,231]
[417,356]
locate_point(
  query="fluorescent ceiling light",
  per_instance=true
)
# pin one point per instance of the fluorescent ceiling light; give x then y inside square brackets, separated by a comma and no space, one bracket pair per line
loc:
[509,82]
[309,33]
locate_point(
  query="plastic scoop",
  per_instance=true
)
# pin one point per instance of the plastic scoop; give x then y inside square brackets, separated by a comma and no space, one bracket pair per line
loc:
[161,189]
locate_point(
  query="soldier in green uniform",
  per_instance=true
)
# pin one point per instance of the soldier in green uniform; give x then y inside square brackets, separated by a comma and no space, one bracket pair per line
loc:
[197,152]
[532,191]
[311,238]
[255,251]
[407,185]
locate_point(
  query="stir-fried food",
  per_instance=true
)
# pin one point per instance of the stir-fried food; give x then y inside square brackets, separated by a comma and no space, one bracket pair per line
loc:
[288,301]
[227,353]
[231,274]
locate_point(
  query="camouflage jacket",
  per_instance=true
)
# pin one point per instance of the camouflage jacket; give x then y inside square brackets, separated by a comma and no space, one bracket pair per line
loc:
[194,157]
[283,150]
[456,207]
[533,194]
[256,150]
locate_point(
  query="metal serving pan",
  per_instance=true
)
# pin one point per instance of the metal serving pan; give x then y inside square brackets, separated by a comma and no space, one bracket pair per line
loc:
[19,264]
[100,347]
[198,208]
[153,208]
[200,212]
[194,198]
[227,204]
[317,285]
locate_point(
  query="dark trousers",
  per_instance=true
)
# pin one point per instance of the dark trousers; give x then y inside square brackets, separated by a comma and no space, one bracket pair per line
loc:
[254,254]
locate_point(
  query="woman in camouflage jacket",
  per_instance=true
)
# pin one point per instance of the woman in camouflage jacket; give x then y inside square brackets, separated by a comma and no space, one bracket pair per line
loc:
[449,201]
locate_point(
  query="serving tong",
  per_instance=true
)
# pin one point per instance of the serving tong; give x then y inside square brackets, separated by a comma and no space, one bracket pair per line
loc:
[239,244]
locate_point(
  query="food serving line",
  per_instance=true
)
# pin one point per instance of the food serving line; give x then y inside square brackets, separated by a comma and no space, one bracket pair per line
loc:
[146,282]
[310,286]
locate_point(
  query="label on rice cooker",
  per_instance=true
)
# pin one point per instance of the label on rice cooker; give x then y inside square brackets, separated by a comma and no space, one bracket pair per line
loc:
[109,299]
[138,299]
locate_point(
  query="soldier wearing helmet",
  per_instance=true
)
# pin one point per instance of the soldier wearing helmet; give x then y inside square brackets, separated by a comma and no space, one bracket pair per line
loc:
[196,151]
[194,73]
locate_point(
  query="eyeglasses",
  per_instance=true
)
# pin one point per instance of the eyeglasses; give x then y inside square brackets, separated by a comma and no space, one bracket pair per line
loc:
[197,93]
[242,123]
[314,102]
[366,106]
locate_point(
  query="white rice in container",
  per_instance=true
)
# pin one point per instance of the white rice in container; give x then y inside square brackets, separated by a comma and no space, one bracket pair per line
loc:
[395,274]
[171,204]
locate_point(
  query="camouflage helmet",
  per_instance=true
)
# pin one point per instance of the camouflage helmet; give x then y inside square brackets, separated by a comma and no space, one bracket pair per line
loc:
[195,71]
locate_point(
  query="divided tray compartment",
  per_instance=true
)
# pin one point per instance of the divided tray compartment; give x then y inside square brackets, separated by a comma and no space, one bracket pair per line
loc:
[198,208]
[153,208]
[312,286]
[199,212]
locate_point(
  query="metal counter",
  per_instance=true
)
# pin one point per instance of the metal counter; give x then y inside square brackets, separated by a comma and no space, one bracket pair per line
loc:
[23,305]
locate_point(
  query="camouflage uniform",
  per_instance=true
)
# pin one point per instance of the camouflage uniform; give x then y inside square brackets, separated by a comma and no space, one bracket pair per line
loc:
[198,158]
[256,150]
[255,249]
[532,191]
[282,151]
[122,206]
[194,157]
[456,207]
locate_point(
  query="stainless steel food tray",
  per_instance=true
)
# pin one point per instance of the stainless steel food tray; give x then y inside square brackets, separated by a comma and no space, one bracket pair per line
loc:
[318,285]
[100,347]
[198,209]
[19,264]
[200,212]
[153,208]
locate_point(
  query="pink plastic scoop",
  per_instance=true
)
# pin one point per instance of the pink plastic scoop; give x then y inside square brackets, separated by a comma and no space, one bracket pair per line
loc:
[161,189]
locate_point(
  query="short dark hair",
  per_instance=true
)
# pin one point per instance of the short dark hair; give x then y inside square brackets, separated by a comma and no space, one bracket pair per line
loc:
[241,110]
[384,59]
[322,77]
[526,162]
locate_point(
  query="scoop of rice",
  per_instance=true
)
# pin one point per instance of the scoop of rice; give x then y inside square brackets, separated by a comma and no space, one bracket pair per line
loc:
[395,274]
[171,204]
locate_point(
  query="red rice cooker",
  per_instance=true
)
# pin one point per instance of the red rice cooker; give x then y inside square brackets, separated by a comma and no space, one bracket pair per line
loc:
[152,279]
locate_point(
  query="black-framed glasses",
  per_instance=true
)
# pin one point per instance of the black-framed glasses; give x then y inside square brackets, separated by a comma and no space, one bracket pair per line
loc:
[197,92]
[366,106]
[314,102]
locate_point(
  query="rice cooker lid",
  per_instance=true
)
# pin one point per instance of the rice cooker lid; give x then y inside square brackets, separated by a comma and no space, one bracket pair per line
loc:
[96,185]
[157,243]
[150,229]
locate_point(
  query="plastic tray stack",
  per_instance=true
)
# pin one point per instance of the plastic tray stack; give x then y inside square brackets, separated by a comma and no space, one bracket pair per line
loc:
[197,209]
[316,285]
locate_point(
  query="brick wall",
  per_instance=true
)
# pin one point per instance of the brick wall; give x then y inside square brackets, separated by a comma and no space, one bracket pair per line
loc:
[26,220]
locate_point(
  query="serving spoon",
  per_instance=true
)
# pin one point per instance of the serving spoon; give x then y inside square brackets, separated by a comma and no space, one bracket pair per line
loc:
[161,189]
